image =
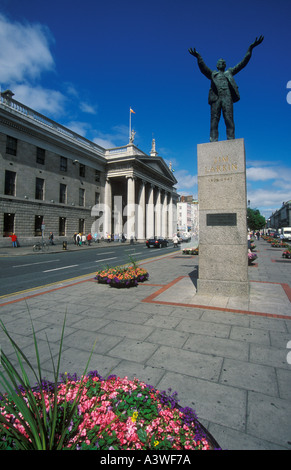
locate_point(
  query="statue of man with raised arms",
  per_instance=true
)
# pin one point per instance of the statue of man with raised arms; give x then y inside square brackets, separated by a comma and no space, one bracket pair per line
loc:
[223,90]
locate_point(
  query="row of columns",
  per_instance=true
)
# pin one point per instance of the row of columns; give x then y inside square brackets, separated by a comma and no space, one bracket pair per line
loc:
[145,218]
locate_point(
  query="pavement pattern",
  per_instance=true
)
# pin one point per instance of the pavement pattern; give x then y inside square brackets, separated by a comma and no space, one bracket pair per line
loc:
[226,357]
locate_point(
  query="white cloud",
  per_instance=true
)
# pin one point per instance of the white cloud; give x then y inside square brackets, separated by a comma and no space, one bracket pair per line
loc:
[118,137]
[24,52]
[185,180]
[40,99]
[266,198]
[261,174]
[87,108]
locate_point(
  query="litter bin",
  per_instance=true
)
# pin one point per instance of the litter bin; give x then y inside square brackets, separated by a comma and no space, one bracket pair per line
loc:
[65,244]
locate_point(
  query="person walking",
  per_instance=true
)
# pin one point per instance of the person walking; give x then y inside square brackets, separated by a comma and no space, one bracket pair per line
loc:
[175,241]
[51,238]
[89,239]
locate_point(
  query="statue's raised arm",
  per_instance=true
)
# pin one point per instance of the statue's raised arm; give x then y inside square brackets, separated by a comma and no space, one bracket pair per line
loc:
[247,57]
[256,42]
[202,66]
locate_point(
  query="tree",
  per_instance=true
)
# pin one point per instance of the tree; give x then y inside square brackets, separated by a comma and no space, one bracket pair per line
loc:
[256,221]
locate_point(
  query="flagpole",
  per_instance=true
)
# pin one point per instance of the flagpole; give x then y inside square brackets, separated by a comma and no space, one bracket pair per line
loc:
[129,123]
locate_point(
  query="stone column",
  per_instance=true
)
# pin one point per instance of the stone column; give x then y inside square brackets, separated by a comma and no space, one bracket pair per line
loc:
[140,215]
[170,217]
[107,229]
[158,214]
[150,214]
[165,216]
[130,208]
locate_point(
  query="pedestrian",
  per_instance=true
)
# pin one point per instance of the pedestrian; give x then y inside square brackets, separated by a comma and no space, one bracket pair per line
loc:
[89,238]
[14,240]
[75,238]
[51,238]
[175,241]
[78,239]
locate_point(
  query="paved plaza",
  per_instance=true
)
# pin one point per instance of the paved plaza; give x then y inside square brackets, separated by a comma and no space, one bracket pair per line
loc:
[226,357]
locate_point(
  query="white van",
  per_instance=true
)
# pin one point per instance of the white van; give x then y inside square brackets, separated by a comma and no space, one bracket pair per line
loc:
[286,233]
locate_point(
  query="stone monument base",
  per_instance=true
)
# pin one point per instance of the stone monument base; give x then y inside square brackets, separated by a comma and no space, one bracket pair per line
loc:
[223,251]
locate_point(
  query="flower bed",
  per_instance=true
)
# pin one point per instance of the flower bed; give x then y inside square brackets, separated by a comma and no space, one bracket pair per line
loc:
[277,244]
[110,414]
[286,254]
[122,276]
[190,251]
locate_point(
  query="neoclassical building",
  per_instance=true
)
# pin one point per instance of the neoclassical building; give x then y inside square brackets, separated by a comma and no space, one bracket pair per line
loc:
[54,180]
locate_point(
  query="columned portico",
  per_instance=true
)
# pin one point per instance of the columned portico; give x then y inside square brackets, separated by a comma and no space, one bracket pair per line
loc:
[141,188]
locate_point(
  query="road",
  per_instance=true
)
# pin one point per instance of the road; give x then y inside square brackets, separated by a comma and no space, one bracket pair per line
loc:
[29,271]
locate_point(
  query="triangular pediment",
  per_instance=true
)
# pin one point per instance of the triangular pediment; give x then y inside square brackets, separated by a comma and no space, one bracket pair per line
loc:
[158,164]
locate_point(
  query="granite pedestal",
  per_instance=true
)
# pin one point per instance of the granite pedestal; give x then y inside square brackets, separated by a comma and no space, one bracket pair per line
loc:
[223,259]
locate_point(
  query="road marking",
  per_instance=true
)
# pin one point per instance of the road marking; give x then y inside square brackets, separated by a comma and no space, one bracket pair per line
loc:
[108,253]
[105,259]
[63,267]
[32,264]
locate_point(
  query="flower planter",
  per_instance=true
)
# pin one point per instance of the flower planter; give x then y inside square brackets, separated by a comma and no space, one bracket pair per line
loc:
[122,277]
[115,414]
[251,258]
[190,251]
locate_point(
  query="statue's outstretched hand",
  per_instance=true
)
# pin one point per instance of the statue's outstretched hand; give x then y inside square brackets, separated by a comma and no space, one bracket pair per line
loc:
[256,42]
[193,52]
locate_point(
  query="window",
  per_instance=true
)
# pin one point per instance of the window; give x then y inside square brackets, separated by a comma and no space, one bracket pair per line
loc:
[63,164]
[37,225]
[39,189]
[11,145]
[40,155]
[10,180]
[8,224]
[62,226]
[81,197]
[63,193]
[82,170]
[97,176]
[81,226]
[97,198]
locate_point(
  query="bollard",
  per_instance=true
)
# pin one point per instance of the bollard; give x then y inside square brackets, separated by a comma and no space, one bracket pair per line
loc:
[65,244]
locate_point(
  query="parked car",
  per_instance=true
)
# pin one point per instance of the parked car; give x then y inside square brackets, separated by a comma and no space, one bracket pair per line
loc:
[157,242]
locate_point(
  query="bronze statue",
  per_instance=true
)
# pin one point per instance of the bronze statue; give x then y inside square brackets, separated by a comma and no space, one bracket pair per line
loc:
[223,90]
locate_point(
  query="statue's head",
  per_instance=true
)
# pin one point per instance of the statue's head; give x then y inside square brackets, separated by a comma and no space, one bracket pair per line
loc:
[221,64]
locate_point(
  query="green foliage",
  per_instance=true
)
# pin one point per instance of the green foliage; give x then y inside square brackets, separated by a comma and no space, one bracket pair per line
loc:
[45,427]
[255,220]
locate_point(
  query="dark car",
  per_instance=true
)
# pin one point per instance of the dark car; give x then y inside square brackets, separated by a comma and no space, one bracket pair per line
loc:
[156,242]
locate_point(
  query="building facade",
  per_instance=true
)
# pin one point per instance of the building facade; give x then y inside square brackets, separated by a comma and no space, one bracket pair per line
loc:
[281,217]
[188,215]
[53,179]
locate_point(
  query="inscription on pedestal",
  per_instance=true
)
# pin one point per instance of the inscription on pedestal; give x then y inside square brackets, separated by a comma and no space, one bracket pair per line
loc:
[221,219]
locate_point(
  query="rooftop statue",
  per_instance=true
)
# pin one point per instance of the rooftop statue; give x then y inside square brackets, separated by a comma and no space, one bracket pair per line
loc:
[223,90]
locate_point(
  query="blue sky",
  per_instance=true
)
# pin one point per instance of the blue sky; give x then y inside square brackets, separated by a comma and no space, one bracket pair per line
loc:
[84,64]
